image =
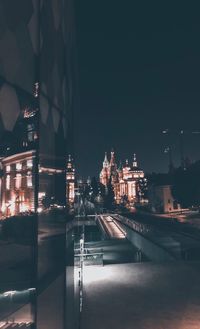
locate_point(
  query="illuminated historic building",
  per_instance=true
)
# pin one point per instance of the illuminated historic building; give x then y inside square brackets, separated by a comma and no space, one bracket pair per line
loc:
[70,181]
[125,179]
[17,183]
[18,166]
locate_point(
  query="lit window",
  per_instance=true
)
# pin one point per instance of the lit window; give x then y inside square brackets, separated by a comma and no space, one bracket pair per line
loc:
[8,168]
[18,166]
[30,127]
[30,136]
[8,182]
[29,163]
[29,180]
[35,136]
[41,195]
[18,181]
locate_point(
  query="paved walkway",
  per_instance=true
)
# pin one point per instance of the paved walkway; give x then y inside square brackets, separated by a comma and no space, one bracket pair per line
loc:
[142,296]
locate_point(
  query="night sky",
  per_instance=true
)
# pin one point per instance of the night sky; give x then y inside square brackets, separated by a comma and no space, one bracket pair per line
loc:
[139,73]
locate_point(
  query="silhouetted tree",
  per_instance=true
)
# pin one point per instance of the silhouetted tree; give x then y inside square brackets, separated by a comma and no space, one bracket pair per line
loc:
[109,199]
[186,185]
[94,186]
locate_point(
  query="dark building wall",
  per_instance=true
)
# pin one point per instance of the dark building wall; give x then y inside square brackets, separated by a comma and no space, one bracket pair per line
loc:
[37,69]
[55,72]
[18,61]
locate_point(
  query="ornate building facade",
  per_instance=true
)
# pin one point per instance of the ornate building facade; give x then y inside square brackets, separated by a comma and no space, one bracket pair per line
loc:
[17,184]
[124,178]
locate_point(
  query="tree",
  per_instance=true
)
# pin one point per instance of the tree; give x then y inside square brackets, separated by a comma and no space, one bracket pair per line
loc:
[109,199]
[142,190]
[186,185]
[94,188]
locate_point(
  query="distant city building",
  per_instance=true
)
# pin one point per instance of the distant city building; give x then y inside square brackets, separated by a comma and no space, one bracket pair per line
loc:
[18,166]
[125,179]
[161,199]
[18,171]
[70,181]
[18,183]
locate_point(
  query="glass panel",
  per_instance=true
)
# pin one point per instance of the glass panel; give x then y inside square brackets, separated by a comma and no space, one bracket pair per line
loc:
[18,220]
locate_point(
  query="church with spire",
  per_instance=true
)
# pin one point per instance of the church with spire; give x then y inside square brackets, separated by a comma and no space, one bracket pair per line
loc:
[124,178]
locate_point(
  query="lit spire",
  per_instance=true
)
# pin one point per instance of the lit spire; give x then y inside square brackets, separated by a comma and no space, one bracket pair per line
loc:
[105,162]
[69,162]
[112,158]
[120,166]
[134,160]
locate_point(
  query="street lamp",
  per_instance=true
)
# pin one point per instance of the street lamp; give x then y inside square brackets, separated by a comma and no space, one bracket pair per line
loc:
[181,133]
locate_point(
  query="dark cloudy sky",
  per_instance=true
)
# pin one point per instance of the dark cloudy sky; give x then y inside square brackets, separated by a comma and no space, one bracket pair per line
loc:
[139,72]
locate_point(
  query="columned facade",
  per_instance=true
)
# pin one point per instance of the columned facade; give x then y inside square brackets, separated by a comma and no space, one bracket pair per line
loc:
[124,178]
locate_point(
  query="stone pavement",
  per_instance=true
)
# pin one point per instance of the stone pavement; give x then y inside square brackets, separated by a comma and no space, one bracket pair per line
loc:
[142,296]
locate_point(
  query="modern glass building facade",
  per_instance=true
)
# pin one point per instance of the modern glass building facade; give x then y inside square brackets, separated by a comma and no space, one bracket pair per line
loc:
[37,78]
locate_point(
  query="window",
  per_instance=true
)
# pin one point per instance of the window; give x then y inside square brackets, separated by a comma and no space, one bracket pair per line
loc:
[18,166]
[8,182]
[29,163]
[175,205]
[29,180]
[8,168]
[30,127]
[18,181]
[30,136]
[35,136]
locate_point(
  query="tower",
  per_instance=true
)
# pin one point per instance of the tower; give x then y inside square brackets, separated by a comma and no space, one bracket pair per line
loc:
[105,162]
[113,165]
[134,161]
[70,181]
[113,168]
[105,172]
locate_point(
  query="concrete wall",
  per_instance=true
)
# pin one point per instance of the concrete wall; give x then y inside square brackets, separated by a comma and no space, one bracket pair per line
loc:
[151,250]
